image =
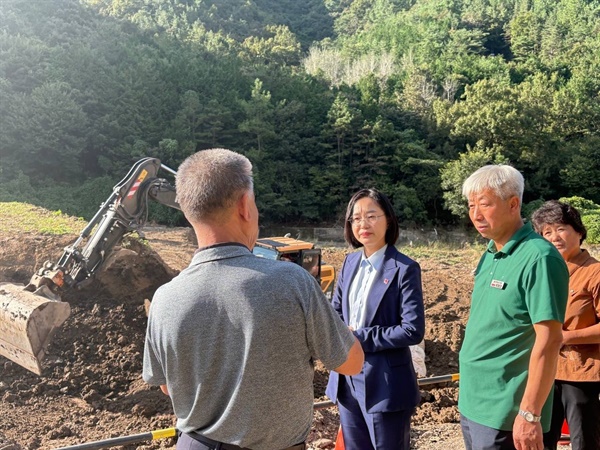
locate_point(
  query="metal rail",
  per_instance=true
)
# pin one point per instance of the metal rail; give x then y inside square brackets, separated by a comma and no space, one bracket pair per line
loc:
[172,432]
[123,440]
[420,382]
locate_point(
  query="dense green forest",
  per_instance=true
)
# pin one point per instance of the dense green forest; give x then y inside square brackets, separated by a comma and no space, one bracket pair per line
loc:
[324,97]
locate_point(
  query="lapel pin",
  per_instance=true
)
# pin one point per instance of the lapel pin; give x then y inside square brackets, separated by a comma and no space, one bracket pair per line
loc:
[386,281]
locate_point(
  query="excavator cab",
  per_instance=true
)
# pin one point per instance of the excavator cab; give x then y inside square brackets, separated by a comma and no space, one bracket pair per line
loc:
[30,315]
[299,252]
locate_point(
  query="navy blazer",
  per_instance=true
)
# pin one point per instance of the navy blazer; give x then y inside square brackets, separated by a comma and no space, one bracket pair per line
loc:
[395,319]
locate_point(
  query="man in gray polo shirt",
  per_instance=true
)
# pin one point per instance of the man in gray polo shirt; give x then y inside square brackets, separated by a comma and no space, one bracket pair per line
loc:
[233,337]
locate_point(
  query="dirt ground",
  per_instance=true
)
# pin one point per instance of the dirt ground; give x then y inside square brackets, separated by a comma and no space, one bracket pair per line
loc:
[92,388]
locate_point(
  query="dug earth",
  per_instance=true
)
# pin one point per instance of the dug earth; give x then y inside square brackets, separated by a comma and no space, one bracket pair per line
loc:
[92,388]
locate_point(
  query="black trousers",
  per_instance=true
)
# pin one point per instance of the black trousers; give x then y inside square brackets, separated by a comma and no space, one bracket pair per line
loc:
[187,442]
[579,403]
[481,437]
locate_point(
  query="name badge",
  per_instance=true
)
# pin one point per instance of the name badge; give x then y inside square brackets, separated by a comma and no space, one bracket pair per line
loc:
[497,284]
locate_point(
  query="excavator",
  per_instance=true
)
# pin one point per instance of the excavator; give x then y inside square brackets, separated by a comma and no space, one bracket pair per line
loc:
[31,314]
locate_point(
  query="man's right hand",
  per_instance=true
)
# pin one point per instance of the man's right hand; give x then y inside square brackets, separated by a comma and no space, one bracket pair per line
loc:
[527,435]
[354,363]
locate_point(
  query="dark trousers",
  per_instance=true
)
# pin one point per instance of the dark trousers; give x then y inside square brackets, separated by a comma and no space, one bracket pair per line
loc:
[480,437]
[370,431]
[578,402]
[186,441]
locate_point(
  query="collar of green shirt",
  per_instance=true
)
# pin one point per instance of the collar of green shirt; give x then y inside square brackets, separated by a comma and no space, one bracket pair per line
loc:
[513,242]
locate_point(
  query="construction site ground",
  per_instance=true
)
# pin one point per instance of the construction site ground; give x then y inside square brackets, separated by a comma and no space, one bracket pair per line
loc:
[92,389]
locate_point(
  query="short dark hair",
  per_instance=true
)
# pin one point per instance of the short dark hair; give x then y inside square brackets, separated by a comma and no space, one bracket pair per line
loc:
[210,181]
[393,230]
[554,212]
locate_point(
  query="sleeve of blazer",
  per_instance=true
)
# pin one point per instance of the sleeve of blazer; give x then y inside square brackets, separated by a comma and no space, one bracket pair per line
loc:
[336,301]
[403,318]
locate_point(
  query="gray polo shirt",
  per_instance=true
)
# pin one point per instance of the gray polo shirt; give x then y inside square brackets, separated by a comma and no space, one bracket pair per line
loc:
[234,337]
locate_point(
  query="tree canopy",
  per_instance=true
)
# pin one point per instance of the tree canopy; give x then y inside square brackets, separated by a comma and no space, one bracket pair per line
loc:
[324,96]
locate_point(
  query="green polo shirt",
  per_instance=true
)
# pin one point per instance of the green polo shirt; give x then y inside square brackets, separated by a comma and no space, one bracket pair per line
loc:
[524,283]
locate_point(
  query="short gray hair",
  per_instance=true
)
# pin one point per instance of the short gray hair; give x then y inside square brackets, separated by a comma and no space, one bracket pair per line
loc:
[504,180]
[210,181]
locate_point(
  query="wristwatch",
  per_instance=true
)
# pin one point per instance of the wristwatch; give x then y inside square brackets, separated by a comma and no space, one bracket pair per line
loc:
[529,416]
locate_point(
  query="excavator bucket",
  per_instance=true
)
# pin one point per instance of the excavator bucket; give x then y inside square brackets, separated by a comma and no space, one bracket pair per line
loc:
[27,322]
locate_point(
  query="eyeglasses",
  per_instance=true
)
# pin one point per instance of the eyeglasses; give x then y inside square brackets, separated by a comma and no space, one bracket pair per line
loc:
[370,219]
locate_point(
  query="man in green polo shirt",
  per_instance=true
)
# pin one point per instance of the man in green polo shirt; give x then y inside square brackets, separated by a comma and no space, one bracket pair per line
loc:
[508,357]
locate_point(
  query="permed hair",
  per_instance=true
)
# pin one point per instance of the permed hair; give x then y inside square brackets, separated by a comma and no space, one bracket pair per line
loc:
[504,180]
[210,181]
[393,230]
[554,212]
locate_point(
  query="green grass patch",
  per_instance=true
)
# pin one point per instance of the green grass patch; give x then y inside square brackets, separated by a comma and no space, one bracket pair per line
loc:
[450,254]
[23,217]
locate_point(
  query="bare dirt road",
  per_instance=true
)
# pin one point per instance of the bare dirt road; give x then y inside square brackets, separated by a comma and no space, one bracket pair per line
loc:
[92,389]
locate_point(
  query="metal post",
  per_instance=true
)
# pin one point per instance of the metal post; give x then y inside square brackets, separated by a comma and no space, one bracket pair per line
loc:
[122,440]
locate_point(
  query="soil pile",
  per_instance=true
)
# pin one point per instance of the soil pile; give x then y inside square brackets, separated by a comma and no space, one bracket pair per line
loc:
[92,387]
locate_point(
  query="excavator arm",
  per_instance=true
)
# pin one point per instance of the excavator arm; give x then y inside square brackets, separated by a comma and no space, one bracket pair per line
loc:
[30,315]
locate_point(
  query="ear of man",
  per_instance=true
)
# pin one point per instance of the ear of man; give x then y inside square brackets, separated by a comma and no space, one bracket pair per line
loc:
[515,204]
[243,206]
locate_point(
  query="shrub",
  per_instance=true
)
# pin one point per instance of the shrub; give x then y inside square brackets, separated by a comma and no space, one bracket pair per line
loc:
[17,189]
[530,207]
[592,223]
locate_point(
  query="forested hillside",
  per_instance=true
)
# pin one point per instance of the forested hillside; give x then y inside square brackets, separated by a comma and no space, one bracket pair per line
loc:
[324,96]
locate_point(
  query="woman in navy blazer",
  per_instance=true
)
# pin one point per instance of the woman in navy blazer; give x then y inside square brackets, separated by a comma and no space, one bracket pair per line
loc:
[379,296]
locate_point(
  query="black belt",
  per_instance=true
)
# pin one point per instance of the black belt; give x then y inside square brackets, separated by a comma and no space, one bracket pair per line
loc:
[216,445]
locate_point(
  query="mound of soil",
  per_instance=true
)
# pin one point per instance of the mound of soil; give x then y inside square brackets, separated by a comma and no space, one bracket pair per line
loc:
[92,387]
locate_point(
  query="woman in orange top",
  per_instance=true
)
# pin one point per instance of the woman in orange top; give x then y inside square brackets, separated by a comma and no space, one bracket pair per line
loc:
[577,386]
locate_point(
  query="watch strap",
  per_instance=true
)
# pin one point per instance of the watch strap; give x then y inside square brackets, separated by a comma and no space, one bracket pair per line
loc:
[529,416]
